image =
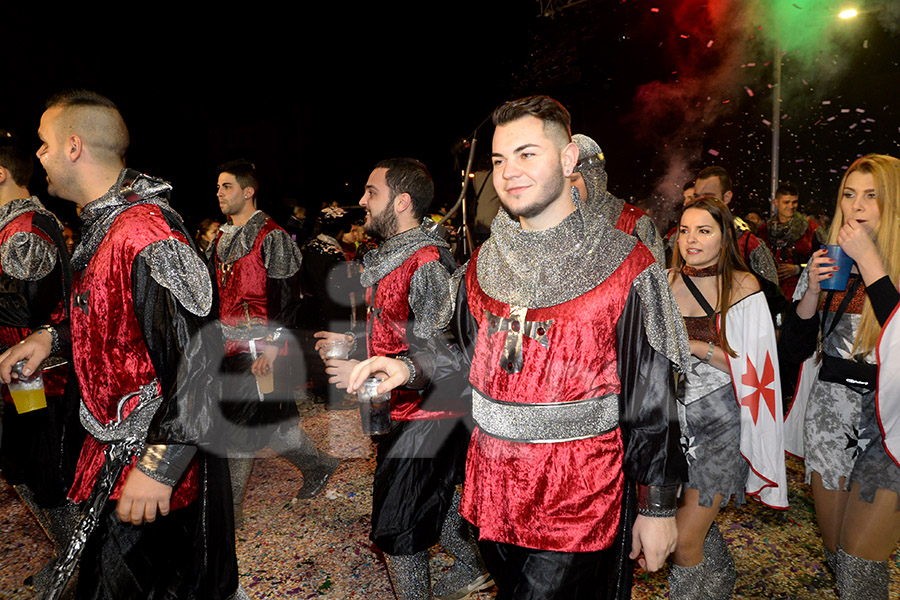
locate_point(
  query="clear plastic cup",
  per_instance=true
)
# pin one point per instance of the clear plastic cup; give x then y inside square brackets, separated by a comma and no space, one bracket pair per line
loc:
[374,408]
[338,349]
[843,262]
[27,392]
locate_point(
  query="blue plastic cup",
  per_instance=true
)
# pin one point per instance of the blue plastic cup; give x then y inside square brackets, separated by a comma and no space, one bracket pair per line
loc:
[843,262]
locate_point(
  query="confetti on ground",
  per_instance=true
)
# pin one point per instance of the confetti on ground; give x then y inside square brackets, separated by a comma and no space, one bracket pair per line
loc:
[319,548]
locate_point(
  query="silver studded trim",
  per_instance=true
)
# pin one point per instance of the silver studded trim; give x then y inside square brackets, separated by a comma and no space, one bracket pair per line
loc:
[802,285]
[176,267]
[135,425]
[544,268]
[27,256]
[244,333]
[646,231]
[280,255]
[762,263]
[545,422]
[663,322]
[431,303]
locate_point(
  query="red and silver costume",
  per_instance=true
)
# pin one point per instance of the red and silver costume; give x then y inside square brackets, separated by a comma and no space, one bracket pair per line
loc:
[791,243]
[257,274]
[34,280]
[575,334]
[140,299]
[407,293]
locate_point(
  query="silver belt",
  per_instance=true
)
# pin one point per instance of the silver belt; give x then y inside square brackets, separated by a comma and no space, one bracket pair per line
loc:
[237,334]
[545,422]
[134,426]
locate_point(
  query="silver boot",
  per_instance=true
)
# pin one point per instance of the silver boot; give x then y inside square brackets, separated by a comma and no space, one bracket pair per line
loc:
[468,573]
[410,575]
[831,559]
[688,583]
[861,579]
[721,575]
[240,467]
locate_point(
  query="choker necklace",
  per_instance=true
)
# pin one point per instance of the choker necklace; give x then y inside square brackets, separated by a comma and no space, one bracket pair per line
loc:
[709,271]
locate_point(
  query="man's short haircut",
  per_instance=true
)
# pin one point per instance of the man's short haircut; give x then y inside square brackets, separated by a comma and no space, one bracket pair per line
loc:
[687,185]
[718,172]
[16,158]
[409,176]
[556,119]
[96,119]
[244,172]
[787,189]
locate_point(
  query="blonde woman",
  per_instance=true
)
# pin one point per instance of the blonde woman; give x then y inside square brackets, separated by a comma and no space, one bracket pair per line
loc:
[834,421]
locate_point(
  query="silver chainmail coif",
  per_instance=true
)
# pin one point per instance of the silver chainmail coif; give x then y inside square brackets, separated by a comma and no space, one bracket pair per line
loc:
[537,269]
[592,166]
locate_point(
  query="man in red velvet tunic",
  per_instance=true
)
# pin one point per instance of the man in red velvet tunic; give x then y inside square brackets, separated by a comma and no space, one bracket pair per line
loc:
[791,236]
[591,180]
[140,300]
[575,335]
[39,448]
[257,271]
[420,461]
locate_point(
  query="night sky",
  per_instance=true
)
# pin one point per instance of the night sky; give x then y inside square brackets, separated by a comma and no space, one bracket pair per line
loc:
[317,93]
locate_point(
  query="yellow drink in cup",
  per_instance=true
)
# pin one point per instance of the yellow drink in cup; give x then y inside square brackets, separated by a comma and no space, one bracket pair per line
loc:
[28,400]
[27,392]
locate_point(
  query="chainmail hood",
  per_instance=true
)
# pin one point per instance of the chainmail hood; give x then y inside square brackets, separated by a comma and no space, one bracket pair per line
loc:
[130,189]
[394,251]
[592,166]
[548,267]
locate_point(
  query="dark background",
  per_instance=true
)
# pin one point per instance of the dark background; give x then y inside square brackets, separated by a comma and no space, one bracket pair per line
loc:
[316,93]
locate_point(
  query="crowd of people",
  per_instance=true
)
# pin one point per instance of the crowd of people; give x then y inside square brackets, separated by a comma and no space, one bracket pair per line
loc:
[580,396]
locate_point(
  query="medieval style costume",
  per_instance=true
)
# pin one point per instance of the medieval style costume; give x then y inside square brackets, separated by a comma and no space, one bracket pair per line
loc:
[791,243]
[257,271]
[731,424]
[421,460]
[834,421]
[574,334]
[39,448]
[140,299]
[621,215]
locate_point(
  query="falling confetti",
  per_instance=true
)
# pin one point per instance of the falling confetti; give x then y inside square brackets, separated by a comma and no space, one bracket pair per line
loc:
[713,152]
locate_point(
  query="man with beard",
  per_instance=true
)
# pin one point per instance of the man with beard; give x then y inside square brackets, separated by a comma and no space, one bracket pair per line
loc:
[157,521]
[420,461]
[257,271]
[574,334]
[590,179]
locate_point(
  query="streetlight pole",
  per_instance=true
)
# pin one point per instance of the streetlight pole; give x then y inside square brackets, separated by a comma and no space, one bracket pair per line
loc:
[776,124]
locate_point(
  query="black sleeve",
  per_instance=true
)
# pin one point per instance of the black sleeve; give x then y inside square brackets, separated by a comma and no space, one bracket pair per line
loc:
[884,298]
[185,350]
[648,409]
[798,336]
[443,382]
[283,301]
